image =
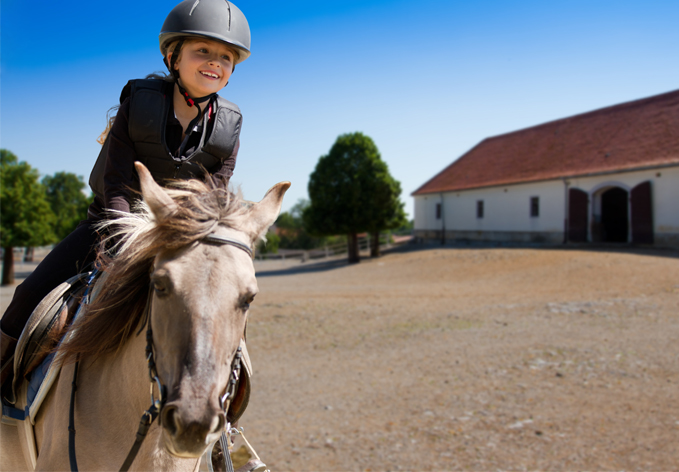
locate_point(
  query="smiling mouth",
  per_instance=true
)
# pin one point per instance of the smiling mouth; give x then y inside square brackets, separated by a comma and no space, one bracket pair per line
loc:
[210,74]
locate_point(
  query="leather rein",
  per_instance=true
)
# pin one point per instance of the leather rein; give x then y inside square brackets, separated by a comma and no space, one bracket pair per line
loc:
[150,415]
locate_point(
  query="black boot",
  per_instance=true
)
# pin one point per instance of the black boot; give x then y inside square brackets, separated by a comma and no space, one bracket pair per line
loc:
[7,345]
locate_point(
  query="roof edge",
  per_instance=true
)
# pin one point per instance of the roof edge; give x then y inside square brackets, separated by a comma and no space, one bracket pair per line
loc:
[605,109]
[637,102]
[571,176]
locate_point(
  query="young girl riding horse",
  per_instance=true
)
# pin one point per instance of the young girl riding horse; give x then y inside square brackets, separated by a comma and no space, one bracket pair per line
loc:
[178,127]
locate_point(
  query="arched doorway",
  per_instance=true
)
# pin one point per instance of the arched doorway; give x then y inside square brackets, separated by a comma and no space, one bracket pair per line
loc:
[614,215]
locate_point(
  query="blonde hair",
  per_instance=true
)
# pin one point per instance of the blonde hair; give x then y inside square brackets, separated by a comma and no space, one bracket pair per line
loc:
[110,118]
[169,48]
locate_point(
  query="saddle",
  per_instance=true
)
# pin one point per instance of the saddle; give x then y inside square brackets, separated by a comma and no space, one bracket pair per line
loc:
[39,337]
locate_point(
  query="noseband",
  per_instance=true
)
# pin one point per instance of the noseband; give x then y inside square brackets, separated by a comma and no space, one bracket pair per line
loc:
[149,416]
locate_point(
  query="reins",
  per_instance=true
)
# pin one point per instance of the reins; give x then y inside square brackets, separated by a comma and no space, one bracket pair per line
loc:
[150,415]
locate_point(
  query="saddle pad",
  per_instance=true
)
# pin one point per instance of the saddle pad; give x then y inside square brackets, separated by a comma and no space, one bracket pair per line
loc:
[41,380]
[39,385]
[51,314]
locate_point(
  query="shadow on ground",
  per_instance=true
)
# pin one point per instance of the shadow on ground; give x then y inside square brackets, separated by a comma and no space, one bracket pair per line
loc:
[305,268]
[327,265]
[621,248]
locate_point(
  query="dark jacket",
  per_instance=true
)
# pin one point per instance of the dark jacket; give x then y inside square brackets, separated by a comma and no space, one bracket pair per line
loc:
[146,130]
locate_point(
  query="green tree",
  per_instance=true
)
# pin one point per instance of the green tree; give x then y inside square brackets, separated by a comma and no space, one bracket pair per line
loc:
[351,192]
[292,231]
[387,210]
[26,217]
[68,202]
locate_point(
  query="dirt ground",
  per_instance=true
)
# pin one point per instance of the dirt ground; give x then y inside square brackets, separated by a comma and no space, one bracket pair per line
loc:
[468,359]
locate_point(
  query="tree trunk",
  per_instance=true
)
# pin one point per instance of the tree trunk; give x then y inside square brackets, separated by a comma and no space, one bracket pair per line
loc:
[29,254]
[375,244]
[354,254]
[8,266]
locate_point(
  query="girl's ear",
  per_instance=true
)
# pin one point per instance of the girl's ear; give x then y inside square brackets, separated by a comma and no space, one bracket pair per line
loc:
[169,59]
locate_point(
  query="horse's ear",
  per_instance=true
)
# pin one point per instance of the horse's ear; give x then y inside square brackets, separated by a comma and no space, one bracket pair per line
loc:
[263,214]
[155,197]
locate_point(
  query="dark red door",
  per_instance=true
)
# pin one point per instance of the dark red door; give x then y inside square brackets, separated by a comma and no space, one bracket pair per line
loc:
[642,214]
[577,215]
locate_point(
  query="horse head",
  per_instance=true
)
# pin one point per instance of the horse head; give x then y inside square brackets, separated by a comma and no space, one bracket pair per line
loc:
[199,299]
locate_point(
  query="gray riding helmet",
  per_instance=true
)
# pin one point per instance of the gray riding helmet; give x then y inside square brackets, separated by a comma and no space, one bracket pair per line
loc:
[218,20]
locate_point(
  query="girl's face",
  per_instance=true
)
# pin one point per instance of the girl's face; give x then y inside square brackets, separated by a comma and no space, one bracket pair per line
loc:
[204,66]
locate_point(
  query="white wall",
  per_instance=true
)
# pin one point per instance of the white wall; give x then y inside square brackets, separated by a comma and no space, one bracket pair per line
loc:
[506,208]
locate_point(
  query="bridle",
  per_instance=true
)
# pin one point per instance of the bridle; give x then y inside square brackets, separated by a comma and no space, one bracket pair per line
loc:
[150,415]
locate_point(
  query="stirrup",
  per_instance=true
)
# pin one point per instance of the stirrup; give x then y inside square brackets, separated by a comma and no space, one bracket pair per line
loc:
[243,455]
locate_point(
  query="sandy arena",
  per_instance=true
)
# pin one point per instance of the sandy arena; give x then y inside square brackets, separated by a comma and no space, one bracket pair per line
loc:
[467,359]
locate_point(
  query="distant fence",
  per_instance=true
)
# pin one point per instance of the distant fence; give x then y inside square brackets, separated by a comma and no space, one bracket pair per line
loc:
[386,241]
[27,254]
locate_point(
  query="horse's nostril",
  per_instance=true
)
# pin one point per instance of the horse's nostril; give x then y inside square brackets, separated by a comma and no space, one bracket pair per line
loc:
[170,420]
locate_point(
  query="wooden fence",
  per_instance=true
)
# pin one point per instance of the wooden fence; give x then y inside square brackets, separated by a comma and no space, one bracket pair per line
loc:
[386,241]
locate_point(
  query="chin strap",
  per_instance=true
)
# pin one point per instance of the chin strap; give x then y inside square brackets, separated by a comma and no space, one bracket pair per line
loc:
[189,100]
[193,127]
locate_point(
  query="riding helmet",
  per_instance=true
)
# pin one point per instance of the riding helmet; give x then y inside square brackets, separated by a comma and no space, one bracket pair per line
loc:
[219,20]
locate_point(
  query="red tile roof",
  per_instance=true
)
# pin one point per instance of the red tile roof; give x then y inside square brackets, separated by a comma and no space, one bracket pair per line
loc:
[631,135]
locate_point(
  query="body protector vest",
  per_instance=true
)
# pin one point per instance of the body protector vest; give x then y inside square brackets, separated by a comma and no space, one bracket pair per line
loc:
[150,102]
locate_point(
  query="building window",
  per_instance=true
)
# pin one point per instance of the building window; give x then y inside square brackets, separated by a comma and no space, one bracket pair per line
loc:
[438,211]
[534,206]
[479,208]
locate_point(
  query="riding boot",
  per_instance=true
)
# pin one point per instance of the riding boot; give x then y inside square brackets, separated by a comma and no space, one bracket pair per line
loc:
[7,346]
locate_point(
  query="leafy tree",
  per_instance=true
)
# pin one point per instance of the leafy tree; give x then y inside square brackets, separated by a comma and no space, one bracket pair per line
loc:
[387,210]
[68,202]
[352,191]
[26,217]
[291,229]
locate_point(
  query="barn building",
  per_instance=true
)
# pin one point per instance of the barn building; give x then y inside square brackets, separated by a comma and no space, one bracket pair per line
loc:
[610,175]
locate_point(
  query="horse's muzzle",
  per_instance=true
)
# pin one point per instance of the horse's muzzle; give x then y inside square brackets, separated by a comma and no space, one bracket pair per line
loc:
[186,436]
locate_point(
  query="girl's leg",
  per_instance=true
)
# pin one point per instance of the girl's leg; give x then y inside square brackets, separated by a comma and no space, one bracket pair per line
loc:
[68,258]
[71,256]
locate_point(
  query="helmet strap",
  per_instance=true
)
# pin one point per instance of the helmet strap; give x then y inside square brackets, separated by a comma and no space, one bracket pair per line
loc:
[190,101]
[173,61]
[190,129]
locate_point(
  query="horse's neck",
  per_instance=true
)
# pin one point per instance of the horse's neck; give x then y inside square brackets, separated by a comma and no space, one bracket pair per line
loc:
[121,383]
[120,378]
[112,394]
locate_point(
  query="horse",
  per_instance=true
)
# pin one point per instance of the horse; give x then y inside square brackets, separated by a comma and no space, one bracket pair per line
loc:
[184,270]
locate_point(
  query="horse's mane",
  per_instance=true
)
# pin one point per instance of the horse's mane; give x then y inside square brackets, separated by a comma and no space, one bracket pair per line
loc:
[134,240]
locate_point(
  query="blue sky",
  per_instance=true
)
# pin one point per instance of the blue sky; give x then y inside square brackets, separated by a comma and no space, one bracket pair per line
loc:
[426,80]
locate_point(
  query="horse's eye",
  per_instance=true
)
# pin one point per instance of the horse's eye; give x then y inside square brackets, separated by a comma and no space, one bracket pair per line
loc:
[161,284]
[245,303]
[159,288]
